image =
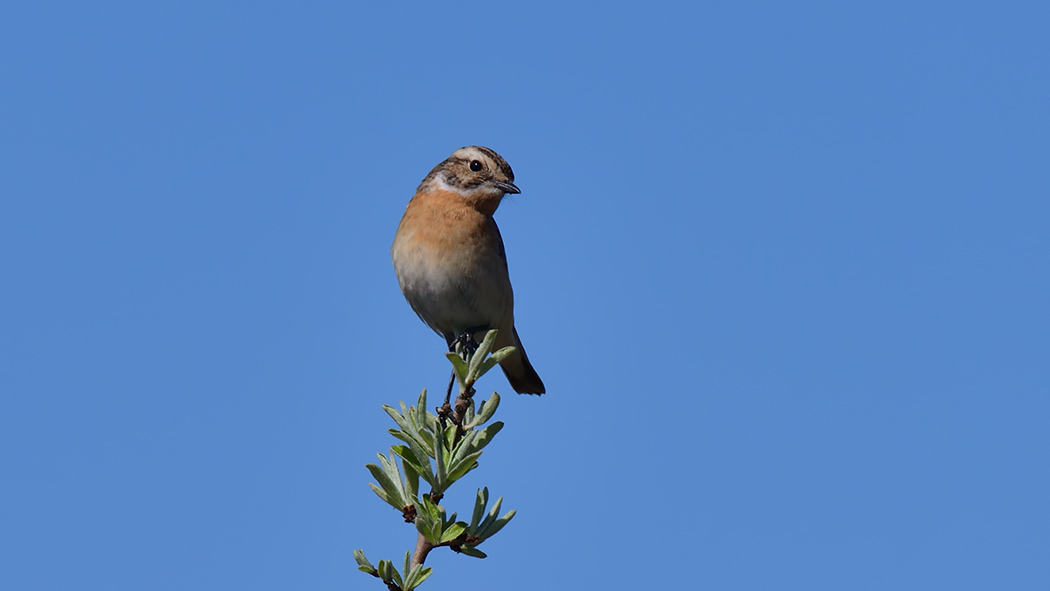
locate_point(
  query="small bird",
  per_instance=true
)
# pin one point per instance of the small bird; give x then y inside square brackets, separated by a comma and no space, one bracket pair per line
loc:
[449,258]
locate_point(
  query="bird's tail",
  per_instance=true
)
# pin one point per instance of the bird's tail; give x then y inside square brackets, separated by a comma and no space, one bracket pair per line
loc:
[520,373]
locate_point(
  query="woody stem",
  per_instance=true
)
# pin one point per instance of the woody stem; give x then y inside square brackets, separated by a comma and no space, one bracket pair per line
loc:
[423,547]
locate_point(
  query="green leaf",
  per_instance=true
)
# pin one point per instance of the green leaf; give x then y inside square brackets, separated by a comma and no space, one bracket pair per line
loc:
[397,490]
[433,532]
[489,519]
[410,429]
[463,458]
[433,511]
[463,447]
[429,520]
[384,570]
[503,353]
[420,460]
[440,469]
[423,519]
[408,566]
[493,360]
[415,578]
[453,532]
[411,479]
[476,359]
[458,366]
[459,469]
[392,471]
[433,425]
[498,524]
[485,435]
[450,436]
[485,411]
[421,410]
[410,462]
[472,551]
[362,562]
[398,418]
[414,440]
[485,367]
[419,438]
[486,344]
[382,494]
[392,491]
[479,508]
[425,526]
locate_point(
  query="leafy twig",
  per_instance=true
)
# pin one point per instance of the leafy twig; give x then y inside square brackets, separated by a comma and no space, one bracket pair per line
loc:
[440,455]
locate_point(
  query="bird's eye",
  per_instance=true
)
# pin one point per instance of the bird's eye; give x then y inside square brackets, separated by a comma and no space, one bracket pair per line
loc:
[475,166]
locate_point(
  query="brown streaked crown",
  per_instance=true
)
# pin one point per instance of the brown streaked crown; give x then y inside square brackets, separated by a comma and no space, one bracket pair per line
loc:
[473,171]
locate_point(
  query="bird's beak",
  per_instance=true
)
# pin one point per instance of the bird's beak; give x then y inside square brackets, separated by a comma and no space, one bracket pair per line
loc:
[508,187]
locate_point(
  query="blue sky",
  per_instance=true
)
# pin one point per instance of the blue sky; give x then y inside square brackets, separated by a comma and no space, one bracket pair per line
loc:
[785,271]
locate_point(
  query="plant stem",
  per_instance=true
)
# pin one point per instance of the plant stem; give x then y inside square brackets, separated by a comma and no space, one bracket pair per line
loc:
[423,547]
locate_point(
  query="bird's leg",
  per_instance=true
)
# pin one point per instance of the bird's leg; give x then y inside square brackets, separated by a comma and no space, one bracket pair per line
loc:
[445,409]
[469,347]
[464,345]
[457,345]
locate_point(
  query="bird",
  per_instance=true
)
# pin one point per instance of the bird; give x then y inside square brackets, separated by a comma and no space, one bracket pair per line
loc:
[450,261]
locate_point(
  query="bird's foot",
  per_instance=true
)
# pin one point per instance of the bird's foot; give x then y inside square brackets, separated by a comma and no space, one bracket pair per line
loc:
[465,343]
